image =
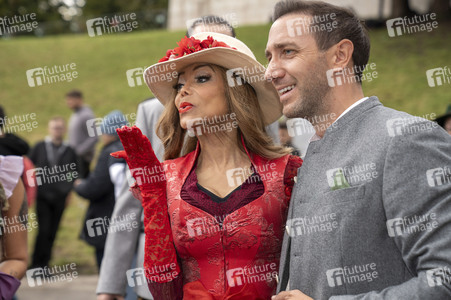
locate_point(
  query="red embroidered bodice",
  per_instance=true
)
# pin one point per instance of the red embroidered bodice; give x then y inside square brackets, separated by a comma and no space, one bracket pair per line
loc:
[185,245]
[241,257]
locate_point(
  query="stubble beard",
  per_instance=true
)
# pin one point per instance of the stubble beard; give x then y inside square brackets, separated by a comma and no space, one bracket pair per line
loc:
[313,94]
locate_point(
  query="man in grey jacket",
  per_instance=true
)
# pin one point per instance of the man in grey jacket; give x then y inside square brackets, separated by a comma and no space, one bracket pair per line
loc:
[370,214]
[81,138]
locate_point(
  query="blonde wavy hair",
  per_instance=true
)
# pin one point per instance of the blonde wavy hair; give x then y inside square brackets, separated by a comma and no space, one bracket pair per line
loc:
[241,100]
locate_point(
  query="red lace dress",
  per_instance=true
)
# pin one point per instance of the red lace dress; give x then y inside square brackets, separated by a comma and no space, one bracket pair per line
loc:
[238,259]
[201,250]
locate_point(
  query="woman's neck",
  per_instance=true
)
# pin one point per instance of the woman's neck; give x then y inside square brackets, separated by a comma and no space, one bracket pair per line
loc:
[220,152]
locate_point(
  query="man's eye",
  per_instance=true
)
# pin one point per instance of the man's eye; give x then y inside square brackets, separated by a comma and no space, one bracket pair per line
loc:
[203,78]
[288,51]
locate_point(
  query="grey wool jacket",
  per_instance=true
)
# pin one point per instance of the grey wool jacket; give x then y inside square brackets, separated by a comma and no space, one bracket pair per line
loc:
[370,214]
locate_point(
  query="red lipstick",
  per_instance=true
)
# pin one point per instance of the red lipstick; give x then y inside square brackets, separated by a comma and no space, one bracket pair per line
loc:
[184,107]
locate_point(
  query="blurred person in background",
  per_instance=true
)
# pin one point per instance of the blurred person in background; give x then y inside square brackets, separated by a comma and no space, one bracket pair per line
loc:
[52,154]
[11,144]
[13,215]
[285,138]
[445,120]
[196,167]
[118,256]
[99,186]
[79,138]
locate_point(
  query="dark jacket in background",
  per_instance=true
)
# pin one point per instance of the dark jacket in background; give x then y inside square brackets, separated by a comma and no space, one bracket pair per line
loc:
[99,190]
[56,191]
[11,144]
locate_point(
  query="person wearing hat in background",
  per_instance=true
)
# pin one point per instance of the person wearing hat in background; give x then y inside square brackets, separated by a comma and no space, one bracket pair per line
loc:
[100,186]
[220,204]
[445,120]
[52,197]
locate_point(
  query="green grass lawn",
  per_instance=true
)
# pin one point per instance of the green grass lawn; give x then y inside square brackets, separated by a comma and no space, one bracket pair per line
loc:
[101,63]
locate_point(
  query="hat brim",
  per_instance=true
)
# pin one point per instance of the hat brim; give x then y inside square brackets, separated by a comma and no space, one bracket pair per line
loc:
[162,77]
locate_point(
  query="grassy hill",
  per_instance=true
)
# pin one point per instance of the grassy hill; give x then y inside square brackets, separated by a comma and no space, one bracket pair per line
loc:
[101,63]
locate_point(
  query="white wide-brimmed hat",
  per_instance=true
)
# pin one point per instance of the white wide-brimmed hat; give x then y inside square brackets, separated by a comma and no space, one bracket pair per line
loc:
[218,49]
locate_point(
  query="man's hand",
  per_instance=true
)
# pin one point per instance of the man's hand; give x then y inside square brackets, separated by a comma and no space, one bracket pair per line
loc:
[291,295]
[109,297]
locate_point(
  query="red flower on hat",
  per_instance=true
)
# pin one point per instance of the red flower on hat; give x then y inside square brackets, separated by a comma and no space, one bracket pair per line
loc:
[191,45]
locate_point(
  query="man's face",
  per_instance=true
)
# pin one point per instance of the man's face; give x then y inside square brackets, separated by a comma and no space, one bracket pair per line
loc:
[57,129]
[73,102]
[297,69]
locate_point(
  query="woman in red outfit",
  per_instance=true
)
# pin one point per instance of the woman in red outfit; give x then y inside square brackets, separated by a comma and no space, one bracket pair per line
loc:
[215,209]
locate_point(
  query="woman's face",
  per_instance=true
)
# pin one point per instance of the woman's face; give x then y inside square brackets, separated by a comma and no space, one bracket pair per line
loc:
[200,94]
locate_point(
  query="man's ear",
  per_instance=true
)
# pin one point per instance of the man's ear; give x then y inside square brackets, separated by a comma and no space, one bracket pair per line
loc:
[340,54]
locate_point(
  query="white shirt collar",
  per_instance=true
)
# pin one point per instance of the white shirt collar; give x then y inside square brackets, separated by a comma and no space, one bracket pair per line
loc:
[350,107]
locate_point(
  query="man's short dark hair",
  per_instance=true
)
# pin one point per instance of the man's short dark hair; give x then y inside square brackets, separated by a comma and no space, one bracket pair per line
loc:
[349,27]
[75,94]
[210,20]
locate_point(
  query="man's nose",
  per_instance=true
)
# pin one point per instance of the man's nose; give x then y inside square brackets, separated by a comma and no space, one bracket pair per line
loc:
[273,71]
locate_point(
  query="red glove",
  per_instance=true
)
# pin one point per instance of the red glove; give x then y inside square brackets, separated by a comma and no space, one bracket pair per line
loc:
[160,258]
